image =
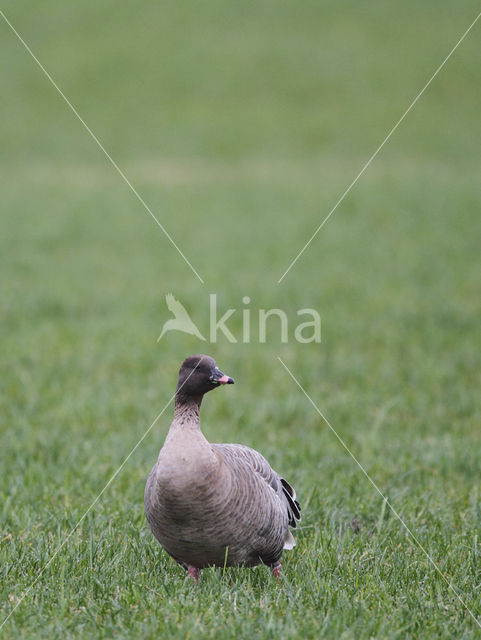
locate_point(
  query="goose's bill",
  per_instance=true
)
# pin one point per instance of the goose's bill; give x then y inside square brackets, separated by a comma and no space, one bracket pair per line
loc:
[225,380]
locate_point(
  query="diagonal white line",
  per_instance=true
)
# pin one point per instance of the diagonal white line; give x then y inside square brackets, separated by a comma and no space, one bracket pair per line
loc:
[380,493]
[92,504]
[378,149]
[101,146]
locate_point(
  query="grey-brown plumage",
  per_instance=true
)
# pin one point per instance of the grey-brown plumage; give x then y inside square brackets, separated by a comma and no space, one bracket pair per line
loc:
[215,504]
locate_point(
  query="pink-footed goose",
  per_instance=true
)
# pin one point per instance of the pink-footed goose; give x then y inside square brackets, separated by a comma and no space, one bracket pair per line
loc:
[215,504]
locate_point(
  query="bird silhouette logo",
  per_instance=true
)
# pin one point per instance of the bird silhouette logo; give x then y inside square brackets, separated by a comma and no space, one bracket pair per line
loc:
[181,320]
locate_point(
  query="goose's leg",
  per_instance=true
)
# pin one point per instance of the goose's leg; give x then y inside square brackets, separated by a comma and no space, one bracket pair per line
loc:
[193,573]
[276,570]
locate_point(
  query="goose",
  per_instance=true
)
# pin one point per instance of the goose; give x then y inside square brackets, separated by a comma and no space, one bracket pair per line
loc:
[215,504]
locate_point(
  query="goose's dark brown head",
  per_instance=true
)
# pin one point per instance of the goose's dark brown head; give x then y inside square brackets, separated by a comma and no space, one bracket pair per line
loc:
[198,375]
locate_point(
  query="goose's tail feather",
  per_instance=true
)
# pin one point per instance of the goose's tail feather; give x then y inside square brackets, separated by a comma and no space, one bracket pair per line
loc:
[294,509]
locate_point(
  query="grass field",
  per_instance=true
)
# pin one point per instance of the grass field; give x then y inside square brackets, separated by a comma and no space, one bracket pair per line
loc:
[241,124]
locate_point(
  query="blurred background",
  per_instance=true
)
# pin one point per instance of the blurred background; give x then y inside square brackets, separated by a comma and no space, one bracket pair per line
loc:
[241,124]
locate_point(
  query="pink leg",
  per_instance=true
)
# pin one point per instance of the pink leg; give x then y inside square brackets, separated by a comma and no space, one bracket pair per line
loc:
[193,573]
[276,571]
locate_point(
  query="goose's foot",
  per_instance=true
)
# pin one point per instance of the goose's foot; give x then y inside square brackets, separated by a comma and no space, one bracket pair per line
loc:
[193,573]
[276,570]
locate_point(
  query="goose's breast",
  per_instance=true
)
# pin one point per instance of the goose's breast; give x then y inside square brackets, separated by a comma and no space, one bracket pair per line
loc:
[219,514]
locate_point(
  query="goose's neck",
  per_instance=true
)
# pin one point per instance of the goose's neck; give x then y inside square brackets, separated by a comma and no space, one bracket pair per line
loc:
[186,412]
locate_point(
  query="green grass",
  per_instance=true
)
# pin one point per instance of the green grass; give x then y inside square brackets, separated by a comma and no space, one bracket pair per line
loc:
[241,124]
